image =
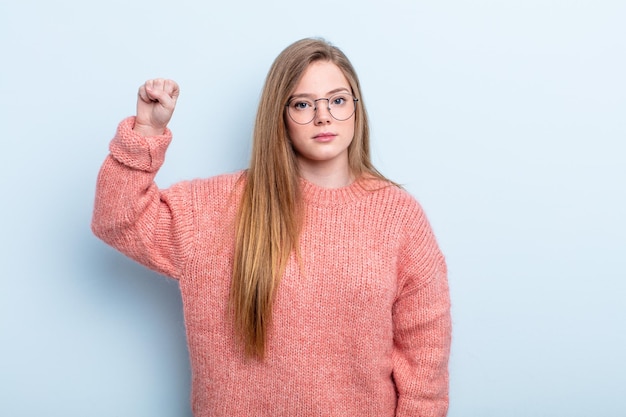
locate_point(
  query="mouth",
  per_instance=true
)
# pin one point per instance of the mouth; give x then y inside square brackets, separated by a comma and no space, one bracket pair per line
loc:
[324,137]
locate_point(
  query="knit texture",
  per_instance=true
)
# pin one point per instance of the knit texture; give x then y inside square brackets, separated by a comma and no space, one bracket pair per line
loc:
[361,327]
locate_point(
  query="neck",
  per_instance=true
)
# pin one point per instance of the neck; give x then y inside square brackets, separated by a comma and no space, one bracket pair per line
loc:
[326,176]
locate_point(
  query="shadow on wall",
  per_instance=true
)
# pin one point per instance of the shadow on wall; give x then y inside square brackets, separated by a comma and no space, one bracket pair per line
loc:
[147,305]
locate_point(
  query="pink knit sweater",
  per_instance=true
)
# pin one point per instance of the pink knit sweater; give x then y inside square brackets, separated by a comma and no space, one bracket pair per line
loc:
[363,329]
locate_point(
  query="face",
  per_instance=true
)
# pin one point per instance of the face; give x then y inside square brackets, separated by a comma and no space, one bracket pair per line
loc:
[322,143]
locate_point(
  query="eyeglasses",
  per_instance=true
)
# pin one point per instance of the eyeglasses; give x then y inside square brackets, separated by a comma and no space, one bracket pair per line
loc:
[341,107]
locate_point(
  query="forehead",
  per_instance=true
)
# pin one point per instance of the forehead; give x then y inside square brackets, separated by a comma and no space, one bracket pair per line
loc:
[320,78]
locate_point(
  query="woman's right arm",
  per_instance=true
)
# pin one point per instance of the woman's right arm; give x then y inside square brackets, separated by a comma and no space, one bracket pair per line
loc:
[131,213]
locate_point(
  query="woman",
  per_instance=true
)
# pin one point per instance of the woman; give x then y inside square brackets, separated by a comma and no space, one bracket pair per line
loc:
[311,285]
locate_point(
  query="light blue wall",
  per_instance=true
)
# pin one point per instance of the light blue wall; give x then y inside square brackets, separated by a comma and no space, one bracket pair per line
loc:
[505,118]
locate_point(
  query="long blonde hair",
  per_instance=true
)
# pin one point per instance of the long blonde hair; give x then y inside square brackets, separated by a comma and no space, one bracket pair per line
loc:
[268,222]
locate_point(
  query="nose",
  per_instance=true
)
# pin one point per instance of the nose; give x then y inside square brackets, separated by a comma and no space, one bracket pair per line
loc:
[322,114]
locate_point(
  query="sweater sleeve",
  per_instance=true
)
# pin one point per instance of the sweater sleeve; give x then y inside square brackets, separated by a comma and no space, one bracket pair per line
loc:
[422,324]
[151,226]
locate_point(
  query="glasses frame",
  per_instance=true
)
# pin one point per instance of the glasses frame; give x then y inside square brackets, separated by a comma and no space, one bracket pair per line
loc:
[354,101]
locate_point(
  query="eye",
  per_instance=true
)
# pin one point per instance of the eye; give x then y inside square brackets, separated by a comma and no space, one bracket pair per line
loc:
[301,105]
[338,100]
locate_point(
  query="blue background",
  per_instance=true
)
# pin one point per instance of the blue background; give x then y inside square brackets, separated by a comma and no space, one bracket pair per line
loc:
[505,119]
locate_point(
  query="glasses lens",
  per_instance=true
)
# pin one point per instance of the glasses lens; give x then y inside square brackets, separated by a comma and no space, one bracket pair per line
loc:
[341,106]
[301,111]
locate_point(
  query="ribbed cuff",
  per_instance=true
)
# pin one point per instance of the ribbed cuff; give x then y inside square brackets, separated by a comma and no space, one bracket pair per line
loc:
[145,153]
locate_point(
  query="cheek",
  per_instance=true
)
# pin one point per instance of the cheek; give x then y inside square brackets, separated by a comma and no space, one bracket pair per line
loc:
[351,129]
[291,129]
[295,132]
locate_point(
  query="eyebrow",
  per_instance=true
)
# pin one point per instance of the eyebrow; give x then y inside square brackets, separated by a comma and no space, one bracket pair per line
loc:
[330,93]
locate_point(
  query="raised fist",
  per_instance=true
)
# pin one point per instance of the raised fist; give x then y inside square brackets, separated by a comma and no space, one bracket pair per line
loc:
[155,105]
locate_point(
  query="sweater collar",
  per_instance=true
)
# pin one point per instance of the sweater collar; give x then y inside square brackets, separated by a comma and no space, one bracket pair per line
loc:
[315,195]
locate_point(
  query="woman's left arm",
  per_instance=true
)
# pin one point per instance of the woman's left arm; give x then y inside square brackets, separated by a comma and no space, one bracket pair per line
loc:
[422,325]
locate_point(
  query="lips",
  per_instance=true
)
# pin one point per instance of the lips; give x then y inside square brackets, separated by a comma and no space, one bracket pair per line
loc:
[324,137]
